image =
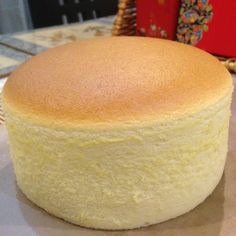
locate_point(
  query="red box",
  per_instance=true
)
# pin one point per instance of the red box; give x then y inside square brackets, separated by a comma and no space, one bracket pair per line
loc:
[207,24]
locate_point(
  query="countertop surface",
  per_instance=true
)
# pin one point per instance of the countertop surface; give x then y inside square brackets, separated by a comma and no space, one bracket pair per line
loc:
[18,47]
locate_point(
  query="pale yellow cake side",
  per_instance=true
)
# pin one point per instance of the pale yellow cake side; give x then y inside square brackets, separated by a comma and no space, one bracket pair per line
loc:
[118,176]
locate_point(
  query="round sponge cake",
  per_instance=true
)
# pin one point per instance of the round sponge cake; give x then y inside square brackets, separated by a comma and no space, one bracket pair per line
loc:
[118,132]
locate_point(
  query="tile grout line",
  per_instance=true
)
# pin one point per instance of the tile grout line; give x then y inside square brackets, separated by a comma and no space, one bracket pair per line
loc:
[17,49]
[2,76]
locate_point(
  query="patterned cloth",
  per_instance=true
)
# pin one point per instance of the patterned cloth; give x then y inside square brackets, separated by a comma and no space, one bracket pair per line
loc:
[193,20]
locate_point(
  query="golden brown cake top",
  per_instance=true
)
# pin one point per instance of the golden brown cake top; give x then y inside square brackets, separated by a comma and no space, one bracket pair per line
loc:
[117,78]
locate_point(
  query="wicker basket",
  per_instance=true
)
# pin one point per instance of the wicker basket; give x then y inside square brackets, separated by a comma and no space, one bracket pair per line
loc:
[125,24]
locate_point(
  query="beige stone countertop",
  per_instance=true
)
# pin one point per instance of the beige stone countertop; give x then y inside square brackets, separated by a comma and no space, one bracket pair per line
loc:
[18,47]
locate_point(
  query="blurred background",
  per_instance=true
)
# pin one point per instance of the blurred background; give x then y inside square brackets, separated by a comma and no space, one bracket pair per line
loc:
[28,27]
[21,15]
[14,16]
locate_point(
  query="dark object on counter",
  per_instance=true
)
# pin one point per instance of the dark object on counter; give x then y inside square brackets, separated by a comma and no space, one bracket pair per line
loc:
[56,12]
